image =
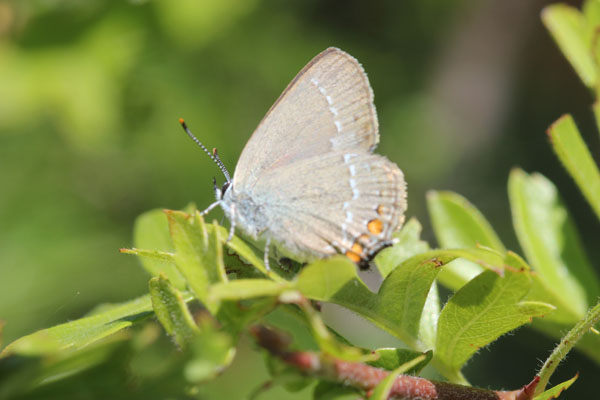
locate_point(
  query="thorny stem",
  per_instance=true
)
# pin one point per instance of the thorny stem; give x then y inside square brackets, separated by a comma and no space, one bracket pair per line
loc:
[565,345]
[366,377]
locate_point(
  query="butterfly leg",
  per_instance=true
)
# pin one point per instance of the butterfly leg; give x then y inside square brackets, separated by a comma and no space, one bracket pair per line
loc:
[209,208]
[232,227]
[267,245]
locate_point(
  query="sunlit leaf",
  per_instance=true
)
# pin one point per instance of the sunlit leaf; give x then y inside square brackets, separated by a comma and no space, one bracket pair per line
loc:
[390,359]
[458,224]
[555,392]
[151,232]
[482,310]
[398,306]
[568,28]
[576,158]
[333,280]
[409,244]
[246,289]
[383,389]
[551,244]
[198,253]
[429,318]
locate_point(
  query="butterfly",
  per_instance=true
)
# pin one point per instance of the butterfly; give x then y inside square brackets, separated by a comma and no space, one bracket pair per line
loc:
[307,181]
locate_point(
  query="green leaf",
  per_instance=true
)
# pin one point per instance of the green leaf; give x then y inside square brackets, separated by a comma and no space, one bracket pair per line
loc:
[568,27]
[69,363]
[576,158]
[459,224]
[556,391]
[327,342]
[172,311]
[198,253]
[242,249]
[429,317]
[391,359]
[402,295]
[398,307]
[83,332]
[286,375]
[234,316]
[383,389]
[23,375]
[291,320]
[591,12]
[409,244]
[212,352]
[325,390]
[481,311]
[246,289]
[550,242]
[334,280]
[151,231]
[596,109]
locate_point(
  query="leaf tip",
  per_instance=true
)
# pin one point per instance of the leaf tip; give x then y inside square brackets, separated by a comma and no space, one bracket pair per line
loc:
[431,194]
[552,128]
[517,171]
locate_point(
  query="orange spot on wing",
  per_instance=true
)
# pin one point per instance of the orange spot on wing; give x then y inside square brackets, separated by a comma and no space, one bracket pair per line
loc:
[353,256]
[380,209]
[357,248]
[375,226]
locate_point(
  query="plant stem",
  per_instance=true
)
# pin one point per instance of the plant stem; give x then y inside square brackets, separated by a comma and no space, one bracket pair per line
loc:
[365,378]
[565,345]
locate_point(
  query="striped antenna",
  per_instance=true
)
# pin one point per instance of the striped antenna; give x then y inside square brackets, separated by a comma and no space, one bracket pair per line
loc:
[213,156]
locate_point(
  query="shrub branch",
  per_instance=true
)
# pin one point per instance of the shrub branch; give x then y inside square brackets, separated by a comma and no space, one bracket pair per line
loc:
[366,377]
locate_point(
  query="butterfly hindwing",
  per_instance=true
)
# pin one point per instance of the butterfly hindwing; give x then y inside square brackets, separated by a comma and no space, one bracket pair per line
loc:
[353,202]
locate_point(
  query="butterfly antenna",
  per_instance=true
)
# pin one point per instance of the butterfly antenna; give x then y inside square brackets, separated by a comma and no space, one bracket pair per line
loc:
[221,165]
[214,157]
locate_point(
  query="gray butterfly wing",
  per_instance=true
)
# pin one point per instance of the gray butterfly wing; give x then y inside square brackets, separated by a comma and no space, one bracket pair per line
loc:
[327,106]
[308,175]
[349,202]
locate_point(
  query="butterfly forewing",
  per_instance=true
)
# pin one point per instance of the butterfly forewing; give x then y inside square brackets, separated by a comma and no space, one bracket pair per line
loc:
[328,106]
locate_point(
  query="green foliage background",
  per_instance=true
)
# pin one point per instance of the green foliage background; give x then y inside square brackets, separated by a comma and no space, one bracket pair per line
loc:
[90,94]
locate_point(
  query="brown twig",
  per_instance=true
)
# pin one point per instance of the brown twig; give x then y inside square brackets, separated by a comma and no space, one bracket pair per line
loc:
[366,377]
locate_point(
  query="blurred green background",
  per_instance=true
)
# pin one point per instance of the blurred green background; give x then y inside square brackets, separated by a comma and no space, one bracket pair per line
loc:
[91,91]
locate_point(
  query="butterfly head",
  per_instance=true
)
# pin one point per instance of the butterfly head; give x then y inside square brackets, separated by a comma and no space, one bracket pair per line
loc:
[220,191]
